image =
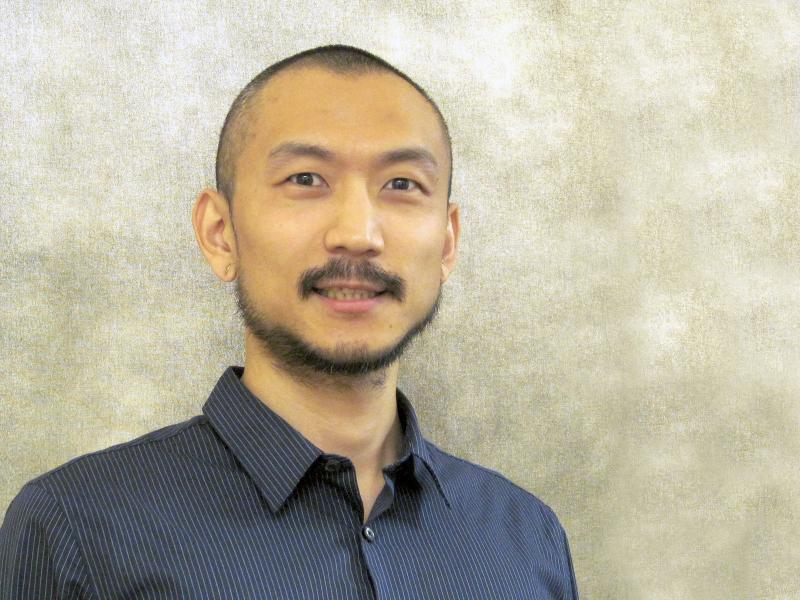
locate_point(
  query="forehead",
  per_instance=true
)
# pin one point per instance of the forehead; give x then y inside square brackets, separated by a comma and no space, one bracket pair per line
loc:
[371,111]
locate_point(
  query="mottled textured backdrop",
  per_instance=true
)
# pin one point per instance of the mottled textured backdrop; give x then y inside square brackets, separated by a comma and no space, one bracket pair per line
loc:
[621,333]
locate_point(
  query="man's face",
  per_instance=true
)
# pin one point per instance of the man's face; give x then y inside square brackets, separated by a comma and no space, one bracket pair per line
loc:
[343,231]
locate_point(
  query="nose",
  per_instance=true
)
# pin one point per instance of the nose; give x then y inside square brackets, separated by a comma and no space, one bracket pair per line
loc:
[355,227]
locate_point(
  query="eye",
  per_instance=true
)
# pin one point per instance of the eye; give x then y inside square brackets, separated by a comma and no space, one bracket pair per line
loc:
[306,179]
[403,184]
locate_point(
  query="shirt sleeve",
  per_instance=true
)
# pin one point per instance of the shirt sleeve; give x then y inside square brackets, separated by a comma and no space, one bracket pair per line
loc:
[574,585]
[39,555]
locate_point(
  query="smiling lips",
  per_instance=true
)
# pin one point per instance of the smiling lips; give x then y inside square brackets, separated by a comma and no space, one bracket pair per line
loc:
[348,290]
[347,294]
[349,297]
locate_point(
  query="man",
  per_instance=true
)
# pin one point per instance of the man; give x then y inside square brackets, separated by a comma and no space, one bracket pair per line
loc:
[307,476]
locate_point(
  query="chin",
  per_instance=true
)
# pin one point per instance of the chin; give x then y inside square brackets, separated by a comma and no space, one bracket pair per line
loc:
[348,359]
[354,351]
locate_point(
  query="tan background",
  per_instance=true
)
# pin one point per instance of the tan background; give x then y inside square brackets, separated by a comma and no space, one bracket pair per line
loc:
[620,336]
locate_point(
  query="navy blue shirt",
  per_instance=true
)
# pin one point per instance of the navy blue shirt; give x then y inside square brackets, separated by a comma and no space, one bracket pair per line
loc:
[235,503]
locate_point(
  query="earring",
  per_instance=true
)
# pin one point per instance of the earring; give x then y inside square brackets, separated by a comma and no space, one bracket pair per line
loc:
[228,268]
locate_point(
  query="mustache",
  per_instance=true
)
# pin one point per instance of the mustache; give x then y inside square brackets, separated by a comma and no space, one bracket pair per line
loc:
[342,268]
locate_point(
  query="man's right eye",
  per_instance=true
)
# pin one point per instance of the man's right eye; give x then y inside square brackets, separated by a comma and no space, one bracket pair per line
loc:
[306,179]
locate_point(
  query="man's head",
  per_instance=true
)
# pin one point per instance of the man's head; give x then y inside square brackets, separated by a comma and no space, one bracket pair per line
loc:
[343,231]
[345,60]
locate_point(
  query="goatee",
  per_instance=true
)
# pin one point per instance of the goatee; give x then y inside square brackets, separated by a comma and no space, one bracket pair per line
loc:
[304,360]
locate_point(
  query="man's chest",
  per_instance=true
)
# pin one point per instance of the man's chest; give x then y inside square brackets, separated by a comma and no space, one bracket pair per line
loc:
[315,547]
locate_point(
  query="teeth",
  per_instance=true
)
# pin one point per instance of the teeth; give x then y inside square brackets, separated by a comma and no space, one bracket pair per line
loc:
[347,294]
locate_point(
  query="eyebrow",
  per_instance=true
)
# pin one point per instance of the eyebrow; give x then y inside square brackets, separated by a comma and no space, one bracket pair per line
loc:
[416,154]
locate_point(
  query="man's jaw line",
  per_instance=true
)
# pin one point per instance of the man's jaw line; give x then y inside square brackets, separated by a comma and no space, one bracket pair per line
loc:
[294,355]
[312,366]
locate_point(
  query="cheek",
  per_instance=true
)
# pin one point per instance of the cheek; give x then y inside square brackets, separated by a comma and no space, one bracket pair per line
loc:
[280,238]
[269,263]
[425,264]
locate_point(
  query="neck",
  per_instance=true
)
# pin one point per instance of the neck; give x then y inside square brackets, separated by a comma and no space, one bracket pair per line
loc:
[352,416]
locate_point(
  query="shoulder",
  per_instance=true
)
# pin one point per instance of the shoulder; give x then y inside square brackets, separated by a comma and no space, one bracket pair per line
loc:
[506,515]
[126,463]
[53,519]
[481,490]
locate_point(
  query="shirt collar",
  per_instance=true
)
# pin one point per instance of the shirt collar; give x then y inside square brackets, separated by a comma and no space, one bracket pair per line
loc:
[277,456]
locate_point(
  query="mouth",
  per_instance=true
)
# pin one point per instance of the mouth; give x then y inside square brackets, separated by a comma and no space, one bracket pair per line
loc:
[348,294]
[352,299]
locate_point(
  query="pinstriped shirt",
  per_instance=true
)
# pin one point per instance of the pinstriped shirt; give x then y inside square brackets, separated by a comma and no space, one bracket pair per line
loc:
[235,503]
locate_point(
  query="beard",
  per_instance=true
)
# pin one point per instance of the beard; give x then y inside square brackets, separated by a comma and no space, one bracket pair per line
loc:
[304,360]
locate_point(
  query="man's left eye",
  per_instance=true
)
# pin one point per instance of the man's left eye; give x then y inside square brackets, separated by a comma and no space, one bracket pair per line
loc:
[305,179]
[403,184]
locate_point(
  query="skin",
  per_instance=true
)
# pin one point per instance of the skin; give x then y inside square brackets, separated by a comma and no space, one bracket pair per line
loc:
[352,209]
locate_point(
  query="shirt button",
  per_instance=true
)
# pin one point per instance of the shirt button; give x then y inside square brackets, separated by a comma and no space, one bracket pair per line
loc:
[368,534]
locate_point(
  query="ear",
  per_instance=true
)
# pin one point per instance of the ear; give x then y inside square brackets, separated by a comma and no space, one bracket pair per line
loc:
[213,228]
[450,248]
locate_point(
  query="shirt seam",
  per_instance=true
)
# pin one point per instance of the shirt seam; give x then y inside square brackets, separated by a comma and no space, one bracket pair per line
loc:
[81,553]
[570,567]
[547,508]
[145,440]
[500,476]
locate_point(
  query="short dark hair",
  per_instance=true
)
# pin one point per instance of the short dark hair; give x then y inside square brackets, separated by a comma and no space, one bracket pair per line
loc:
[337,58]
